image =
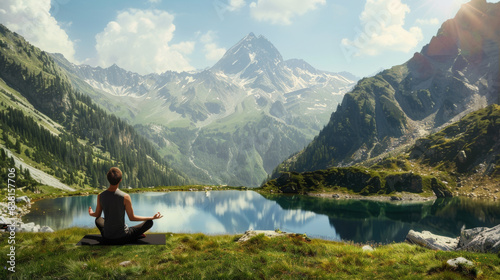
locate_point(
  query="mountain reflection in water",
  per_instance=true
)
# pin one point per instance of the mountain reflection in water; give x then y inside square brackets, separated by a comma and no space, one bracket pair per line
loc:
[232,212]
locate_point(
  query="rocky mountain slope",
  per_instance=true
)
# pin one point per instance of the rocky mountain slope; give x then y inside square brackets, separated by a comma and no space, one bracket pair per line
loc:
[455,74]
[452,161]
[229,124]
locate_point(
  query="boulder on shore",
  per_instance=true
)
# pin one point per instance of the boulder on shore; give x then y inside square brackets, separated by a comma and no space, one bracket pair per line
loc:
[432,241]
[24,199]
[482,239]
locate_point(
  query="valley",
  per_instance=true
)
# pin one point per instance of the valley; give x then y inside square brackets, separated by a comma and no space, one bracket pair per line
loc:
[240,108]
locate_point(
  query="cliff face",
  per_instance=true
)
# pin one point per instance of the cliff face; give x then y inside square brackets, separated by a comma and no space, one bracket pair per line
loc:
[455,74]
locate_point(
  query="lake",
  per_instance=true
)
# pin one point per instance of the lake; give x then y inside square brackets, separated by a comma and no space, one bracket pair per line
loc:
[234,212]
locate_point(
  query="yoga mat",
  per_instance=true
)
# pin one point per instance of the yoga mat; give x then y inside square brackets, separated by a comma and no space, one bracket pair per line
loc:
[150,239]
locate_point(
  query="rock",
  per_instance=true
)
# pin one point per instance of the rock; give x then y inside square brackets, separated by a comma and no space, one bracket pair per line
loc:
[440,190]
[408,182]
[27,227]
[46,229]
[432,241]
[24,199]
[367,248]
[336,196]
[462,156]
[5,221]
[459,261]
[251,233]
[481,239]
[126,263]
[396,198]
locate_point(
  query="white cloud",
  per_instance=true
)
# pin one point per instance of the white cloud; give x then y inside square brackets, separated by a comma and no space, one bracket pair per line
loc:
[140,41]
[32,20]
[428,21]
[282,11]
[234,5]
[211,50]
[382,29]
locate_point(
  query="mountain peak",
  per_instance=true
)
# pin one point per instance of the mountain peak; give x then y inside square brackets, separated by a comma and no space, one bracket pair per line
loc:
[249,50]
[250,36]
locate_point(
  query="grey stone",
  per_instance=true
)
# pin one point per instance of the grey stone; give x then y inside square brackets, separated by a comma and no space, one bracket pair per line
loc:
[27,227]
[23,198]
[126,263]
[462,156]
[5,221]
[460,260]
[251,233]
[432,241]
[46,229]
[485,240]
[367,248]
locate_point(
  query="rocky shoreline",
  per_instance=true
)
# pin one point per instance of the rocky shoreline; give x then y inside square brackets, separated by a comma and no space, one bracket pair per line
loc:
[480,239]
[400,197]
[22,208]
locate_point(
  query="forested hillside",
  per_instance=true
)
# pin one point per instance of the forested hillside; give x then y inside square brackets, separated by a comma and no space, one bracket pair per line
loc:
[79,141]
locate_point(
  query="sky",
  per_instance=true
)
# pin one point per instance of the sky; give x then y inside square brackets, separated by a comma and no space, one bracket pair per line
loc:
[145,36]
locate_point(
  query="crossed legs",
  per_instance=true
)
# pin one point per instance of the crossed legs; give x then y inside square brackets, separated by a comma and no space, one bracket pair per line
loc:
[133,233]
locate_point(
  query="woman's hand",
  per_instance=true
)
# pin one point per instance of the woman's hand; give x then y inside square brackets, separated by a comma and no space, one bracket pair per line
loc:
[91,212]
[157,216]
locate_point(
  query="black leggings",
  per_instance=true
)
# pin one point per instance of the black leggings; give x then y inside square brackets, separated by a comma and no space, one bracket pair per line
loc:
[133,233]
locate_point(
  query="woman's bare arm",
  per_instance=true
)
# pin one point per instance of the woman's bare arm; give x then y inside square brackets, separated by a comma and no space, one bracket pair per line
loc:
[130,211]
[98,209]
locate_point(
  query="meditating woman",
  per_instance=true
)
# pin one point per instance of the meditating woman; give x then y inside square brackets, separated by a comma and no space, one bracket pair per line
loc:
[115,203]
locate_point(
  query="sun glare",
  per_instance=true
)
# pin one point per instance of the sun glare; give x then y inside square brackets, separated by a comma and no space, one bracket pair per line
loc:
[443,8]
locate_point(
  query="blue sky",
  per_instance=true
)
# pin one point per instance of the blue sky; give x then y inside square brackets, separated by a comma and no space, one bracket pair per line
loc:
[358,36]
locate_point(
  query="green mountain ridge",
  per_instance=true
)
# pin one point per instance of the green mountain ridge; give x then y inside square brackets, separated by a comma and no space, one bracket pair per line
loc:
[441,164]
[455,74]
[62,132]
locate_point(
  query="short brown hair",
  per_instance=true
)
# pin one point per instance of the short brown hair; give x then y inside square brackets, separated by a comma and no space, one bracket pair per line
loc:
[114,175]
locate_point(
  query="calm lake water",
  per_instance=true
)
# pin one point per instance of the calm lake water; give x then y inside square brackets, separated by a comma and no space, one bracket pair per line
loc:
[232,212]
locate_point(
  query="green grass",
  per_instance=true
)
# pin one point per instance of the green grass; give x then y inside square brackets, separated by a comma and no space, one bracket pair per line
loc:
[198,256]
